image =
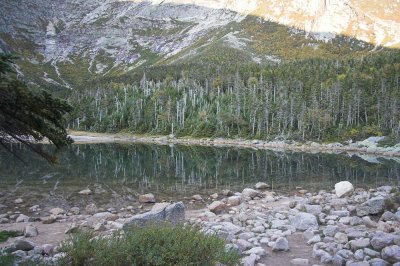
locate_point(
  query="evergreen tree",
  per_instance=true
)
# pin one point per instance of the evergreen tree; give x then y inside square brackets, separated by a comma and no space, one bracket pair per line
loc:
[29,115]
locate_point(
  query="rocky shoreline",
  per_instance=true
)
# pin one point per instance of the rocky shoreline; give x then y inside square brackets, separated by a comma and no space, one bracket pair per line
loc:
[367,146]
[345,226]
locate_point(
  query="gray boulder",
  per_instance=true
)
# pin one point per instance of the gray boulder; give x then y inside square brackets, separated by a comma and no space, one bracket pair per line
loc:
[313,209]
[227,192]
[371,252]
[250,193]
[303,221]
[355,220]
[262,185]
[147,198]
[324,256]
[91,208]
[30,231]
[391,254]
[341,238]
[48,249]
[243,245]
[173,213]
[341,213]
[353,233]
[381,240]
[18,201]
[217,207]
[369,223]
[385,189]
[250,260]
[57,211]
[22,218]
[388,216]
[48,219]
[331,230]
[234,200]
[378,262]
[359,243]
[281,244]
[24,245]
[359,254]
[259,251]
[20,254]
[338,260]
[372,206]
[280,224]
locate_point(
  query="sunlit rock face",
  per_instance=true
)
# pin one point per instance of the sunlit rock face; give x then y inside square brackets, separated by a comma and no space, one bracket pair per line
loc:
[373,21]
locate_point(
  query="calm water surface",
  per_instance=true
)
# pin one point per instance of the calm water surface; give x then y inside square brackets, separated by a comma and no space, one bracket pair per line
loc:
[117,173]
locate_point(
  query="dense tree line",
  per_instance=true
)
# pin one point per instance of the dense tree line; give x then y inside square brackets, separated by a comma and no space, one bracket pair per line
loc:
[309,99]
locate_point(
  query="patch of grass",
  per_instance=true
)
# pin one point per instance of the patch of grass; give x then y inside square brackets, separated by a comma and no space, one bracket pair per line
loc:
[7,259]
[151,245]
[4,235]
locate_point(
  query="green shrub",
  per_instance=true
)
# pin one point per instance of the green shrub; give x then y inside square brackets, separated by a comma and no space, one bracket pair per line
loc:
[388,142]
[204,129]
[4,235]
[11,260]
[7,259]
[362,133]
[152,245]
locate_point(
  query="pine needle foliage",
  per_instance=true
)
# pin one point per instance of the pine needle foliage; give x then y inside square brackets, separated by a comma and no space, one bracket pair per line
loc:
[29,115]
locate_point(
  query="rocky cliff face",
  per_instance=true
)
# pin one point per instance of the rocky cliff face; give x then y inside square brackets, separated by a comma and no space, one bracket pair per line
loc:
[372,21]
[61,39]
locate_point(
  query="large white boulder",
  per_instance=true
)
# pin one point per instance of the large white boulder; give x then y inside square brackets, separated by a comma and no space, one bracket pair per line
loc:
[343,189]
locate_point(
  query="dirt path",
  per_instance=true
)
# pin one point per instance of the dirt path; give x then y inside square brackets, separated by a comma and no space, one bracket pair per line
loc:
[298,249]
[48,233]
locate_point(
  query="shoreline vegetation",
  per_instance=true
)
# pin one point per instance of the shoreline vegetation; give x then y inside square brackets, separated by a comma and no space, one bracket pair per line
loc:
[367,146]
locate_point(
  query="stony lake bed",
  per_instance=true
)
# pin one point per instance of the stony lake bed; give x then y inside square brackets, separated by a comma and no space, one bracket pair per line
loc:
[274,207]
[345,226]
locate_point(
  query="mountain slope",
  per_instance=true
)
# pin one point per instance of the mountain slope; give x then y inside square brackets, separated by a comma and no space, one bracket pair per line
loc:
[68,42]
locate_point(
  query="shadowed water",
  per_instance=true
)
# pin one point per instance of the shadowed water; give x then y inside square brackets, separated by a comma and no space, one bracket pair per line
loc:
[117,173]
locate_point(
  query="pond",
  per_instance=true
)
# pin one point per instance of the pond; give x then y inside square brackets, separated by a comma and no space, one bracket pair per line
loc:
[117,173]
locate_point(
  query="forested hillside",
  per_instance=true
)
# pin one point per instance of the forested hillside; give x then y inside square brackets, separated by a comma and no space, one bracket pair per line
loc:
[308,69]
[320,99]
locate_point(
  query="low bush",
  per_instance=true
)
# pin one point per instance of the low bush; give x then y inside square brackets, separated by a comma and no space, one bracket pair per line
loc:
[152,245]
[7,259]
[4,235]
[388,142]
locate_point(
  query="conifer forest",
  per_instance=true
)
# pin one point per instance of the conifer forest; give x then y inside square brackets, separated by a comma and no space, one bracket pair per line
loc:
[311,99]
